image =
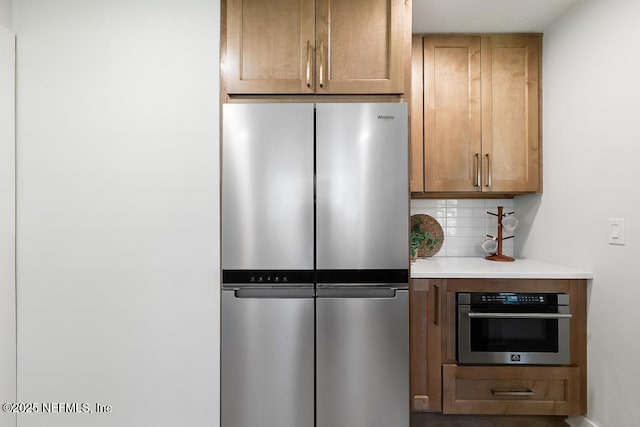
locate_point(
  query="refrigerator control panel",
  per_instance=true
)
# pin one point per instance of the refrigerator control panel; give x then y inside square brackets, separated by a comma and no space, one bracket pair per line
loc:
[267,277]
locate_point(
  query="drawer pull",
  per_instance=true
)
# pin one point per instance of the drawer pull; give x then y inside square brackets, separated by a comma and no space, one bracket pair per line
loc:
[512,393]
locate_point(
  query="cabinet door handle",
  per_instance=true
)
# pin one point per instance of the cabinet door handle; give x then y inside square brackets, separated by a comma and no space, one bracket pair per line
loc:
[512,393]
[478,176]
[308,63]
[322,63]
[436,304]
[488,170]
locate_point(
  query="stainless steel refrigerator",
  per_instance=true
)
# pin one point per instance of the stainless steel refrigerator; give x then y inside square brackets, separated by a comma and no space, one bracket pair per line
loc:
[315,265]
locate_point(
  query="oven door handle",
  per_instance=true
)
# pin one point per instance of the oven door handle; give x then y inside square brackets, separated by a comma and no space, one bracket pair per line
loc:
[519,315]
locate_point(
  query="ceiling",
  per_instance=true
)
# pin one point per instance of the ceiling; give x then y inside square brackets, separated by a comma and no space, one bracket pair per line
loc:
[487,16]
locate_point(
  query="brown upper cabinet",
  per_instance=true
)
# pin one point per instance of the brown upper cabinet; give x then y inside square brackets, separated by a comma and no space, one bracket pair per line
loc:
[314,46]
[475,114]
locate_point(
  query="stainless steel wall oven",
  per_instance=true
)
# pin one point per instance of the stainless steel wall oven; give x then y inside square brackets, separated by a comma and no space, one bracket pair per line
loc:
[513,328]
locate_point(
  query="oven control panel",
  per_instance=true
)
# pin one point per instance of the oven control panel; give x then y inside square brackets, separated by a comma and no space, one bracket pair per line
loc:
[511,299]
[507,298]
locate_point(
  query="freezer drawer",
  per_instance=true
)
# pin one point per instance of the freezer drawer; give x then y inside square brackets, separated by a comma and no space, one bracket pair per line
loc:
[362,341]
[268,358]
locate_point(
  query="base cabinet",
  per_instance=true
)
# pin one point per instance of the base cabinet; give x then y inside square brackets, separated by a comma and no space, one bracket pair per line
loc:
[533,390]
[439,384]
[425,334]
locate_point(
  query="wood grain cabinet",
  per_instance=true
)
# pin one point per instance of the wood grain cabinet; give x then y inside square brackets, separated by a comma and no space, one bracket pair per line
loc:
[315,46]
[475,114]
[521,390]
[439,384]
[426,299]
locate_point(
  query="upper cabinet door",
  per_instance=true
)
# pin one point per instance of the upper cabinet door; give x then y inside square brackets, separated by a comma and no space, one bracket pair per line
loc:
[510,113]
[270,46]
[359,46]
[452,113]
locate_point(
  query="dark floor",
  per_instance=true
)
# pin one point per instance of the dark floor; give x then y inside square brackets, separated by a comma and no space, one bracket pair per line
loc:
[439,420]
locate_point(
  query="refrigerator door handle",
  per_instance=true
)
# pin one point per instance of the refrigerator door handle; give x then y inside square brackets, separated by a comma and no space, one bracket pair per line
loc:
[274,293]
[359,292]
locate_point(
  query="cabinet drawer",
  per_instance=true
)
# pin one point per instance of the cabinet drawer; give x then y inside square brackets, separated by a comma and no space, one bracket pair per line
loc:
[494,389]
[522,390]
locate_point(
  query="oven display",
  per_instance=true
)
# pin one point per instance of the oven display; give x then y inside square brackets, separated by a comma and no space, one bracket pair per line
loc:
[512,298]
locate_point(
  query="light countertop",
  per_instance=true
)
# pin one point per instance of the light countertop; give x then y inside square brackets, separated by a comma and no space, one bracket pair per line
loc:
[480,268]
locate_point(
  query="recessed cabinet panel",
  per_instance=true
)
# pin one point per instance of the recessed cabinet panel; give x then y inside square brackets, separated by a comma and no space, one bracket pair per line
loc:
[509,101]
[349,42]
[262,56]
[452,87]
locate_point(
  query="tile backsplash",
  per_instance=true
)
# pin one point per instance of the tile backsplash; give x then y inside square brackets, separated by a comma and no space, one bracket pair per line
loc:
[466,224]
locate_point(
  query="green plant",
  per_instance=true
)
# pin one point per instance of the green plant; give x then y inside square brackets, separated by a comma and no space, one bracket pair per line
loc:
[417,237]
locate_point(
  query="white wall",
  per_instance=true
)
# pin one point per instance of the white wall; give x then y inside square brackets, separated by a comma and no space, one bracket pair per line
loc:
[5,13]
[591,173]
[7,226]
[117,197]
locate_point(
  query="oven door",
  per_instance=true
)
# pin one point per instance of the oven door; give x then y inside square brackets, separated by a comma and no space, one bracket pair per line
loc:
[490,337]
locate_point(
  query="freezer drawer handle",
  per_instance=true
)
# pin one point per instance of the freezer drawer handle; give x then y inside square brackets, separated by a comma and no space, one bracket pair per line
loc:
[274,293]
[357,293]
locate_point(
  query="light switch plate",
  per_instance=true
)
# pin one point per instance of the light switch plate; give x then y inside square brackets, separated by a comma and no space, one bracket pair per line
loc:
[616,231]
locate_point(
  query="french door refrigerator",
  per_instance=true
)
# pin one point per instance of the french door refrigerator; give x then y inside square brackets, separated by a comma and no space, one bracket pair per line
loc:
[315,265]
